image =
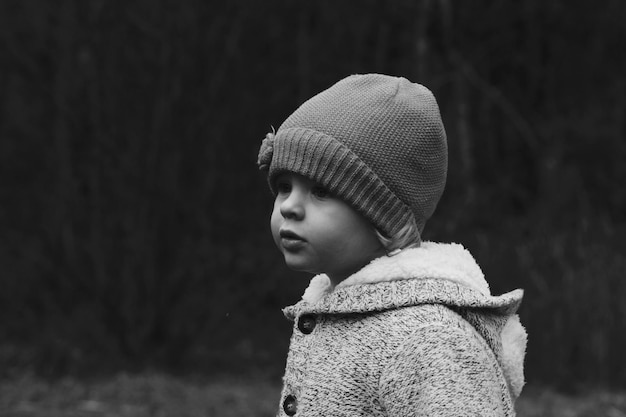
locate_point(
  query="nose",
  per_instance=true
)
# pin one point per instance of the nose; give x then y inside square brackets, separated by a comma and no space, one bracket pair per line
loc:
[292,207]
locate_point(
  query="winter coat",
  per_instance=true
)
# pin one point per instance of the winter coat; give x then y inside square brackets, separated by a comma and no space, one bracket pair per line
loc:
[415,334]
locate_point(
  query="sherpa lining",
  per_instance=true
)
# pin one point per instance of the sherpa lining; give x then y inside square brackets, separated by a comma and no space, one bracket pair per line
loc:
[450,262]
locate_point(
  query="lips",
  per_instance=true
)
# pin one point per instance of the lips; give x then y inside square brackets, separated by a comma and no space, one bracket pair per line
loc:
[291,241]
[288,234]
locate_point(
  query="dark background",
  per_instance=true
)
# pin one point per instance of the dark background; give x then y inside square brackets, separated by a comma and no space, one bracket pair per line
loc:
[135,225]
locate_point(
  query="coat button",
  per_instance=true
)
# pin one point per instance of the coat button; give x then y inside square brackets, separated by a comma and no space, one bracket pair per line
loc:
[290,405]
[306,323]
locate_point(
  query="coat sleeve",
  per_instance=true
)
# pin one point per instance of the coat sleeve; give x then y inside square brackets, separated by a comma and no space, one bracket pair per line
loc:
[443,370]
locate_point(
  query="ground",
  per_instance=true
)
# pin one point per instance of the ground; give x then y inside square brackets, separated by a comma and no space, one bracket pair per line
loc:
[157,395]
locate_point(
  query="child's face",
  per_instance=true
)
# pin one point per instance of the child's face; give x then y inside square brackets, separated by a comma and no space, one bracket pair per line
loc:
[319,233]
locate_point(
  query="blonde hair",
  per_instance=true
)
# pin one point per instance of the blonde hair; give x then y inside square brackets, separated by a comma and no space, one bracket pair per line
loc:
[407,237]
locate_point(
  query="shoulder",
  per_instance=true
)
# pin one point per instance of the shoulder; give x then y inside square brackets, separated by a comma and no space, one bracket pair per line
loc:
[427,328]
[432,328]
[443,366]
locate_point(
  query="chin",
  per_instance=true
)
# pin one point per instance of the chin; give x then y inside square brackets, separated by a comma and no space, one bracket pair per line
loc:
[300,266]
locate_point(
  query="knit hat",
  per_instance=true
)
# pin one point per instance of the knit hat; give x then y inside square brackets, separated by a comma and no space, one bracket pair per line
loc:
[375,141]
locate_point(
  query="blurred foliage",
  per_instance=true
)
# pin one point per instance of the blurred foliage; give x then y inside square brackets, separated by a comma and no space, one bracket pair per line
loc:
[135,223]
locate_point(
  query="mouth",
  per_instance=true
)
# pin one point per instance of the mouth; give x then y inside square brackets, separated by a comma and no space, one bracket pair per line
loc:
[288,234]
[291,241]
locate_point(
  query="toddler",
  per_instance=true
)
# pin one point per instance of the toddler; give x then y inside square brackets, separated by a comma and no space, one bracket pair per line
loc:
[390,325]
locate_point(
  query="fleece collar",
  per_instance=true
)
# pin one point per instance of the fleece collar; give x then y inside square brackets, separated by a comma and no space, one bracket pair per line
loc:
[440,261]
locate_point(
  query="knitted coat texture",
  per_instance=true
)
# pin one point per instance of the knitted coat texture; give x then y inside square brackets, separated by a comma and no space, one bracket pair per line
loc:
[415,334]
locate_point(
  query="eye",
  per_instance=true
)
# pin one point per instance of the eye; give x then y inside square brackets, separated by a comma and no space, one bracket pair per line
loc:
[283,186]
[320,192]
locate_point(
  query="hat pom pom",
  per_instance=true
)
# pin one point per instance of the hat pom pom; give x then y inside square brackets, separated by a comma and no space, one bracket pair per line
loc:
[266,152]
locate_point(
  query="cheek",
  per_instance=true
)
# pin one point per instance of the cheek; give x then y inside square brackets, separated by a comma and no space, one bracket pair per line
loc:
[359,236]
[275,222]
